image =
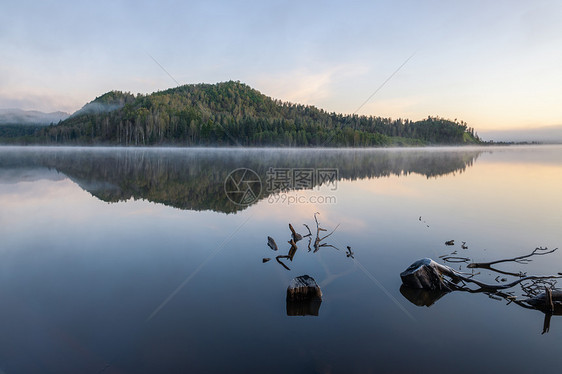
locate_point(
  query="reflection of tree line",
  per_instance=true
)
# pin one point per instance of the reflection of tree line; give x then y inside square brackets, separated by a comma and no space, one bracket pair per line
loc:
[194,179]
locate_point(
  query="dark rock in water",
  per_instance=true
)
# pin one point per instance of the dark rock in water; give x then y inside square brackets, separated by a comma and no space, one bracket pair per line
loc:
[450,242]
[421,297]
[271,243]
[302,288]
[264,260]
[425,274]
[304,297]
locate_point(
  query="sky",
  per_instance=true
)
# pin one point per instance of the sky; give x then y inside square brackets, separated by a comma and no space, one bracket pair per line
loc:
[494,64]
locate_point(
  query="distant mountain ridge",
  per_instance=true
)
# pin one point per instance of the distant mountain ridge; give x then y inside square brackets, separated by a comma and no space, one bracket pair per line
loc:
[234,114]
[14,116]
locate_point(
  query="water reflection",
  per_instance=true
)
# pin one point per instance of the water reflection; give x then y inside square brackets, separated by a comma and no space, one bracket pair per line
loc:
[79,277]
[194,179]
[421,297]
[308,307]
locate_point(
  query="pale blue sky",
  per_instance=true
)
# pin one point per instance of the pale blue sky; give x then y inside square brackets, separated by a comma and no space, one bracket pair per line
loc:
[494,64]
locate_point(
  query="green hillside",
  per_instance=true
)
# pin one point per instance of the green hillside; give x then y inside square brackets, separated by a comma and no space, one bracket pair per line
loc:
[232,113]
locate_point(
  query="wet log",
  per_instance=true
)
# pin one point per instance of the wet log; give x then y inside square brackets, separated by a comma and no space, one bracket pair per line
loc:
[426,274]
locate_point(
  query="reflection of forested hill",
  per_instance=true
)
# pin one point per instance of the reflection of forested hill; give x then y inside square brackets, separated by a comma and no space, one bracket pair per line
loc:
[194,178]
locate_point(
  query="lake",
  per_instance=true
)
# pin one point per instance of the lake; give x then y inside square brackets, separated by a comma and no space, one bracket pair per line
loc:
[133,260]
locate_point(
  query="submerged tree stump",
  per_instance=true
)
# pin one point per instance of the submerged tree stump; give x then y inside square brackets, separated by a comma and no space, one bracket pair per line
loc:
[302,288]
[304,297]
[425,274]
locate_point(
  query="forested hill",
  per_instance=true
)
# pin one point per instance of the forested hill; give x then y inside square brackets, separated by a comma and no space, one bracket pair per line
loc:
[232,113]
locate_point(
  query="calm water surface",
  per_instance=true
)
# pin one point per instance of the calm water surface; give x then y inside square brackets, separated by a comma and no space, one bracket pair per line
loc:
[136,260]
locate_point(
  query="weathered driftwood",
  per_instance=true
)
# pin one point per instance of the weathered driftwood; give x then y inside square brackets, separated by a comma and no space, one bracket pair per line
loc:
[304,297]
[318,242]
[289,255]
[429,275]
[303,287]
[271,243]
[426,281]
[296,236]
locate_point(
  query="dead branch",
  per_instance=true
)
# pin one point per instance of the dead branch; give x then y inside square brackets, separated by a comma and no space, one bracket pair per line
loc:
[308,228]
[548,300]
[492,287]
[293,247]
[520,259]
[318,242]
[296,235]
[290,255]
[546,323]
[429,274]
[334,230]
[535,287]
[278,259]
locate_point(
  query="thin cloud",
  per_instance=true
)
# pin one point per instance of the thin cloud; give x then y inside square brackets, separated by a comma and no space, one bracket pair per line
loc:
[306,86]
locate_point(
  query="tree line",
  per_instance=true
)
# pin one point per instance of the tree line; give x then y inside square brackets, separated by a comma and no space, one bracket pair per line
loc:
[232,113]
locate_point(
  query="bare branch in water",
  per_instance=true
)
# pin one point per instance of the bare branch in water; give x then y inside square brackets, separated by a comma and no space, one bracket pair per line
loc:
[520,259]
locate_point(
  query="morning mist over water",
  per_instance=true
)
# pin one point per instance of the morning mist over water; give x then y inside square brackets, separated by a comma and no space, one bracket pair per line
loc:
[124,259]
